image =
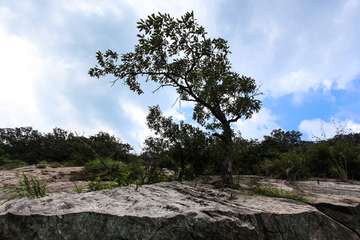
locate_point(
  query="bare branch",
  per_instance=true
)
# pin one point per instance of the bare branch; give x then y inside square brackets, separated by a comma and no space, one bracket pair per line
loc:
[113,82]
[163,85]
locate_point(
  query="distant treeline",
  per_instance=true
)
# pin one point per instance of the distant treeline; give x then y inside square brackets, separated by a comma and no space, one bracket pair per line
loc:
[30,146]
[190,152]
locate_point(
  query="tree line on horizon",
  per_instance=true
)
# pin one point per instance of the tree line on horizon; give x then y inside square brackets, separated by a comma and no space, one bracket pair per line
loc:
[30,146]
[189,151]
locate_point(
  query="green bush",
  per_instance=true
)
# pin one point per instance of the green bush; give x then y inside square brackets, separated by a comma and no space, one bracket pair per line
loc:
[11,164]
[337,158]
[134,169]
[95,169]
[124,174]
[294,165]
[334,160]
[320,156]
[55,165]
[70,164]
[41,164]
[97,185]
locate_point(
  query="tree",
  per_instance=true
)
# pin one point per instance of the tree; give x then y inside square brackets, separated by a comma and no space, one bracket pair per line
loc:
[247,158]
[106,145]
[153,152]
[185,142]
[282,141]
[176,53]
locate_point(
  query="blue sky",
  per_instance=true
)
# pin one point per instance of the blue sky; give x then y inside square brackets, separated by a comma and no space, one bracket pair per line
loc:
[305,54]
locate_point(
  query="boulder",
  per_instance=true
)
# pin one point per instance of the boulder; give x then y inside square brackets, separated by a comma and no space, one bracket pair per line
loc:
[189,210]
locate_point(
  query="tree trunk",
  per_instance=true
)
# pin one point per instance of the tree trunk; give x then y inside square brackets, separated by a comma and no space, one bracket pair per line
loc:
[226,173]
[182,169]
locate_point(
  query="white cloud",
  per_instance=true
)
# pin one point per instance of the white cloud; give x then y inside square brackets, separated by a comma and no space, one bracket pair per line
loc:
[21,68]
[315,129]
[90,7]
[300,81]
[352,126]
[347,13]
[261,123]
[294,48]
[144,8]
[137,116]
[174,113]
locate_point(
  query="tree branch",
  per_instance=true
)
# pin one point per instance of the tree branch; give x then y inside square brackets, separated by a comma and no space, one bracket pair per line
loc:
[219,136]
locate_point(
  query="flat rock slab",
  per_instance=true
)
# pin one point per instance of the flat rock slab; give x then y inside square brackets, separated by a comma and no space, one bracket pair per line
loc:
[57,179]
[338,200]
[174,210]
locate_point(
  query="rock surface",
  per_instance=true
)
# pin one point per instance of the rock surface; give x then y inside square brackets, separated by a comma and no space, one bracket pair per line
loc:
[189,210]
[57,179]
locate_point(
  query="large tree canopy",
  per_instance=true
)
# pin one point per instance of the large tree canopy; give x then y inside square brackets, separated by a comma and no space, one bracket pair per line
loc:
[176,53]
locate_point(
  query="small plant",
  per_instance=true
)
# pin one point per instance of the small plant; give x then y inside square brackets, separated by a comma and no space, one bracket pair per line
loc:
[29,187]
[79,190]
[70,164]
[123,178]
[98,185]
[42,164]
[273,191]
[55,165]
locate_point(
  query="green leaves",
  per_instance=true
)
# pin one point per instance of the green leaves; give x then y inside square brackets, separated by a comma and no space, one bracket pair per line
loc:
[176,53]
[182,142]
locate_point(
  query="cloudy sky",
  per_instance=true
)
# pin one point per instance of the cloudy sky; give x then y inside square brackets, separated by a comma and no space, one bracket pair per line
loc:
[305,54]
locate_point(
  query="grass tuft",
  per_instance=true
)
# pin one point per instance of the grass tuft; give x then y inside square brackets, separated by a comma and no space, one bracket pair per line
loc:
[273,191]
[29,187]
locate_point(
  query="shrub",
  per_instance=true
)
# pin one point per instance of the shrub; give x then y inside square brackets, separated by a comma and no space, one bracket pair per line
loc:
[79,190]
[338,167]
[41,164]
[70,164]
[273,191]
[334,160]
[320,155]
[11,164]
[97,185]
[55,165]
[294,165]
[95,169]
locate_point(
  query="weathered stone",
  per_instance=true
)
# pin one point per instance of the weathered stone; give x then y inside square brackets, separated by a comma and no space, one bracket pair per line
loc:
[57,179]
[188,210]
